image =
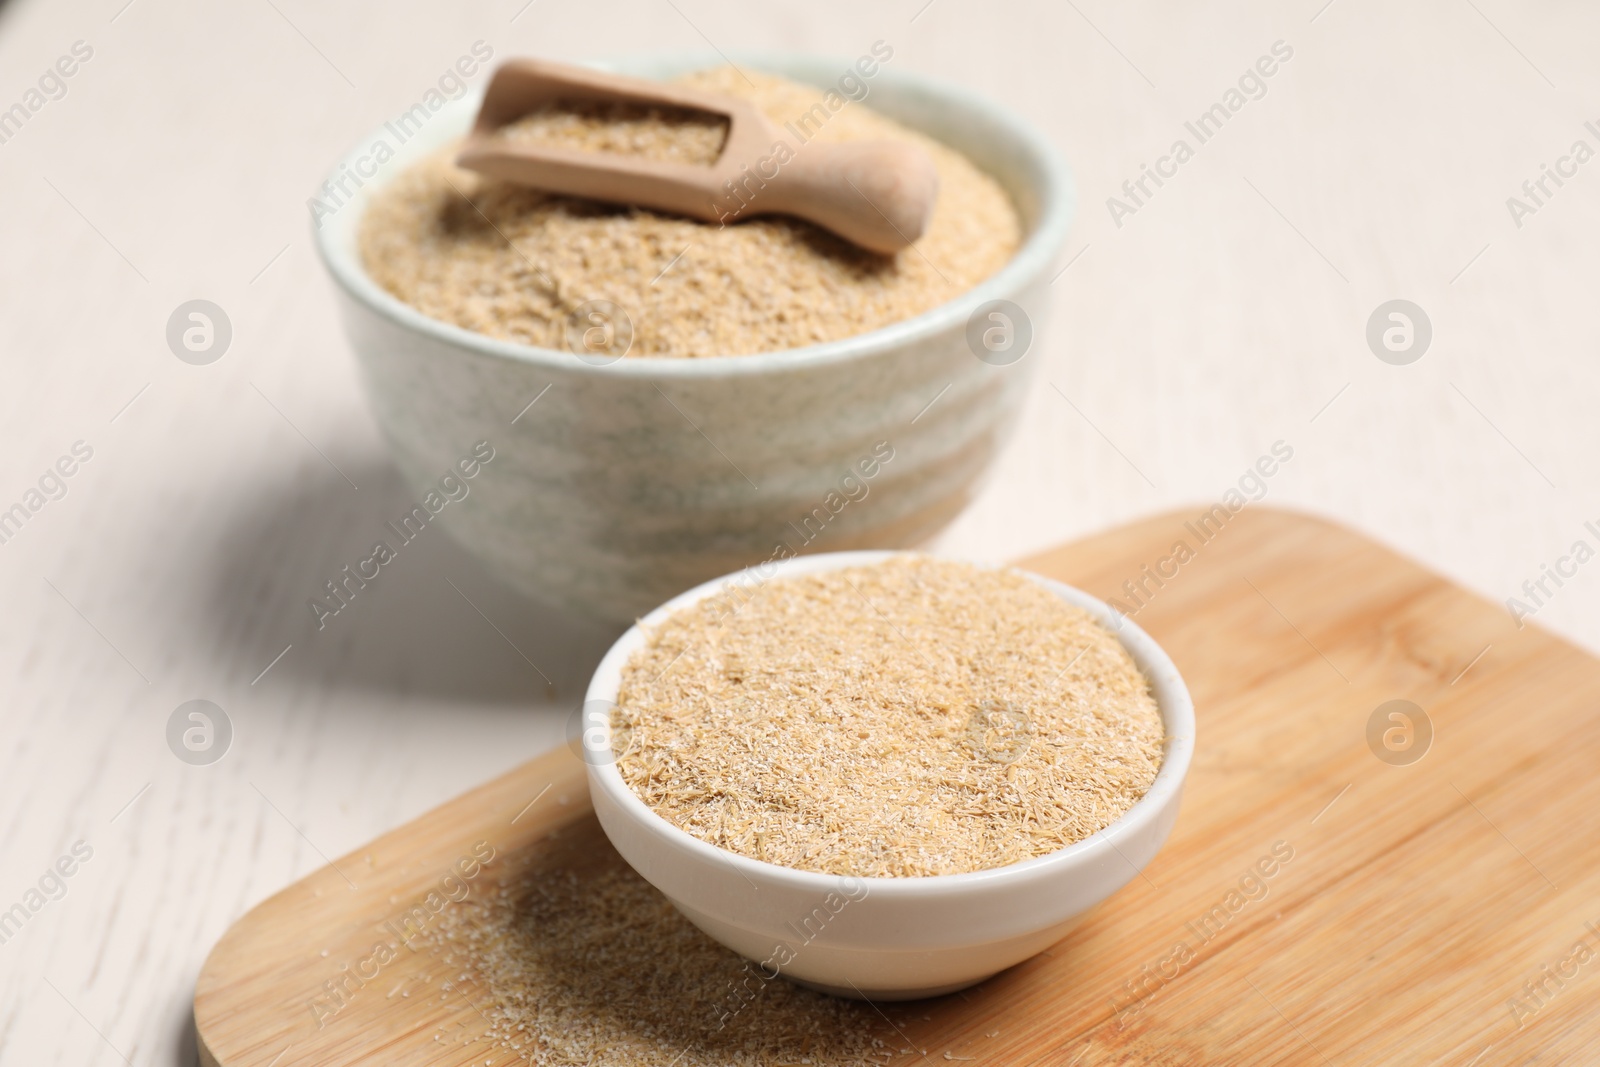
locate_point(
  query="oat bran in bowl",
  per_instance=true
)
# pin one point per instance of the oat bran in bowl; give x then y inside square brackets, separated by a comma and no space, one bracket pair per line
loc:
[514,263]
[886,775]
[619,484]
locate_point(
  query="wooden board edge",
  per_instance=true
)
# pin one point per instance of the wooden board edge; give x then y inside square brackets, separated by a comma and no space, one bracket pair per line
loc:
[560,765]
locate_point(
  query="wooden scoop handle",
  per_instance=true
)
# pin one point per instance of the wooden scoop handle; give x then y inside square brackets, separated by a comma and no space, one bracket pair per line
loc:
[877,194]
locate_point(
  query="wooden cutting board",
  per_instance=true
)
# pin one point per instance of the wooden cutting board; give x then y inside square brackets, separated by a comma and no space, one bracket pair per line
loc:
[1419,898]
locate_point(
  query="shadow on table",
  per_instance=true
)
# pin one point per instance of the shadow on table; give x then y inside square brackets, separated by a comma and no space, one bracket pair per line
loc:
[433,623]
[186,1053]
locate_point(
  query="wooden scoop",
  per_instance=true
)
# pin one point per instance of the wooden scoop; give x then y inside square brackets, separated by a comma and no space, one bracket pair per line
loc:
[878,194]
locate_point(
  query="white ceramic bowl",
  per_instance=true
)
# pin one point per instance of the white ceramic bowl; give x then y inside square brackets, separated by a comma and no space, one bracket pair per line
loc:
[605,497]
[885,938]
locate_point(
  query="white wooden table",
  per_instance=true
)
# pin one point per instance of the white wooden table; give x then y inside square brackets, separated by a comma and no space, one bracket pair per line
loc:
[1225,313]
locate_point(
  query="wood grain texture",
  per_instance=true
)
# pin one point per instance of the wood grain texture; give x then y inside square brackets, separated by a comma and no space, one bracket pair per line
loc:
[1406,906]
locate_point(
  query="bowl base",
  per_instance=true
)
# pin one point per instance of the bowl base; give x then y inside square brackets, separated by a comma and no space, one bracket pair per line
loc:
[852,992]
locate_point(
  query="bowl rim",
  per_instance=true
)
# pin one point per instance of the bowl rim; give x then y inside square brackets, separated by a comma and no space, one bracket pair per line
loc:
[1056,191]
[1172,698]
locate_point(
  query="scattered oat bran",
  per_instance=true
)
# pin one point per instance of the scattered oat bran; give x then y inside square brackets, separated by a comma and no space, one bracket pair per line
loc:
[668,134]
[515,263]
[570,958]
[917,717]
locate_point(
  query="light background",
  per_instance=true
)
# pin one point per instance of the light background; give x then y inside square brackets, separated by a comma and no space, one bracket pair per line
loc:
[1223,316]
